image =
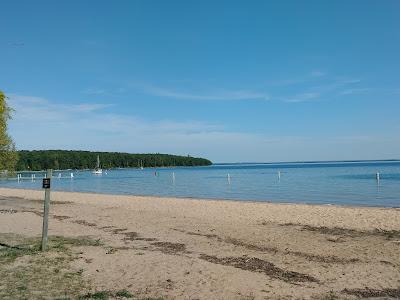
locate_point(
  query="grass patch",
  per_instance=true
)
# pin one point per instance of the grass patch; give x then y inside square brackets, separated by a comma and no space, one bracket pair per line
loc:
[9,253]
[63,243]
[28,273]
[102,295]
[123,294]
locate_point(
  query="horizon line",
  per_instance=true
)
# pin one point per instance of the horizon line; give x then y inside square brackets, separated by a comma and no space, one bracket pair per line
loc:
[311,161]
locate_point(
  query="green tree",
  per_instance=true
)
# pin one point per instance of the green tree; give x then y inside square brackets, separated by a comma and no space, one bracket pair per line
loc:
[67,159]
[8,155]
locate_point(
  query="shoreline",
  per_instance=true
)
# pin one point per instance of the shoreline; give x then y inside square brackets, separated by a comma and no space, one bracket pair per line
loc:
[278,202]
[111,169]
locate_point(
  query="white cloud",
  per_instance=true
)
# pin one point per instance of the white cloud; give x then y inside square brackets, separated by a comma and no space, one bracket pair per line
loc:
[312,86]
[286,82]
[354,91]
[30,107]
[42,124]
[26,99]
[313,76]
[221,95]
[88,107]
[349,81]
[92,91]
[310,96]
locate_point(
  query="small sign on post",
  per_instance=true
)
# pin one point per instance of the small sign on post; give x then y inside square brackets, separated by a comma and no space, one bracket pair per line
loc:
[46,185]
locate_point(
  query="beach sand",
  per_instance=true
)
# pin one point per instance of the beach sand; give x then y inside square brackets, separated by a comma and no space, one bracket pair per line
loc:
[206,249]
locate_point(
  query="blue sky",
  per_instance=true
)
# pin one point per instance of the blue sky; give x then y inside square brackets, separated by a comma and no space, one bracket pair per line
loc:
[228,80]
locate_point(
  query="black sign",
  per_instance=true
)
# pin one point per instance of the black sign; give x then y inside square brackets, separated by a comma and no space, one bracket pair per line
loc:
[46,183]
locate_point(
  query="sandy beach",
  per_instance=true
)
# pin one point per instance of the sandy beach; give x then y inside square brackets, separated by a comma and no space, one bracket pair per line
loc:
[205,249]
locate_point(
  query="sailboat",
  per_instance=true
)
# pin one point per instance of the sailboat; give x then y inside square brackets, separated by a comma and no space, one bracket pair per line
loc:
[97,170]
[140,165]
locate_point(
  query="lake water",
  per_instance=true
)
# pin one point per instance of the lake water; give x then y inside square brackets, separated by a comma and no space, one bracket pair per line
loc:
[335,183]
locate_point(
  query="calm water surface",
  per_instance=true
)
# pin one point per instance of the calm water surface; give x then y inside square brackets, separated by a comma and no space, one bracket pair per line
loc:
[322,183]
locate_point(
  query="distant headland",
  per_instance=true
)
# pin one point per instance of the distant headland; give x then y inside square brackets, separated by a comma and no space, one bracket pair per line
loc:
[37,160]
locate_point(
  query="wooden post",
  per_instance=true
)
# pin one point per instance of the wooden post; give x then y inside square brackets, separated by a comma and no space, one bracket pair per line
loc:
[46,186]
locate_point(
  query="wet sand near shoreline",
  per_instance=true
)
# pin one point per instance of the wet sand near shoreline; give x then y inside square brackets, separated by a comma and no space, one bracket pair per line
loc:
[196,249]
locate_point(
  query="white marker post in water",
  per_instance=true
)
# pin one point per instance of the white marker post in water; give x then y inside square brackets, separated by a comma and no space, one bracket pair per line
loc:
[46,208]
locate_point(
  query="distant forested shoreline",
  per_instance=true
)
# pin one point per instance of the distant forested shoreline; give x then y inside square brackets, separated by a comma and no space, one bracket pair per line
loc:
[69,159]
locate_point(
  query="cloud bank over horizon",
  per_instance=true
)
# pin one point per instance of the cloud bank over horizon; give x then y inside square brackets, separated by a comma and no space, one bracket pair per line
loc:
[39,123]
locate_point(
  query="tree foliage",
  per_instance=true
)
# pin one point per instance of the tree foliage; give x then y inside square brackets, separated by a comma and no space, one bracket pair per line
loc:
[8,155]
[64,159]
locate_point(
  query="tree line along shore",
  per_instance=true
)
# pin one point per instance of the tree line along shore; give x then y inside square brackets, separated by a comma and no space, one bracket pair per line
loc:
[63,159]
